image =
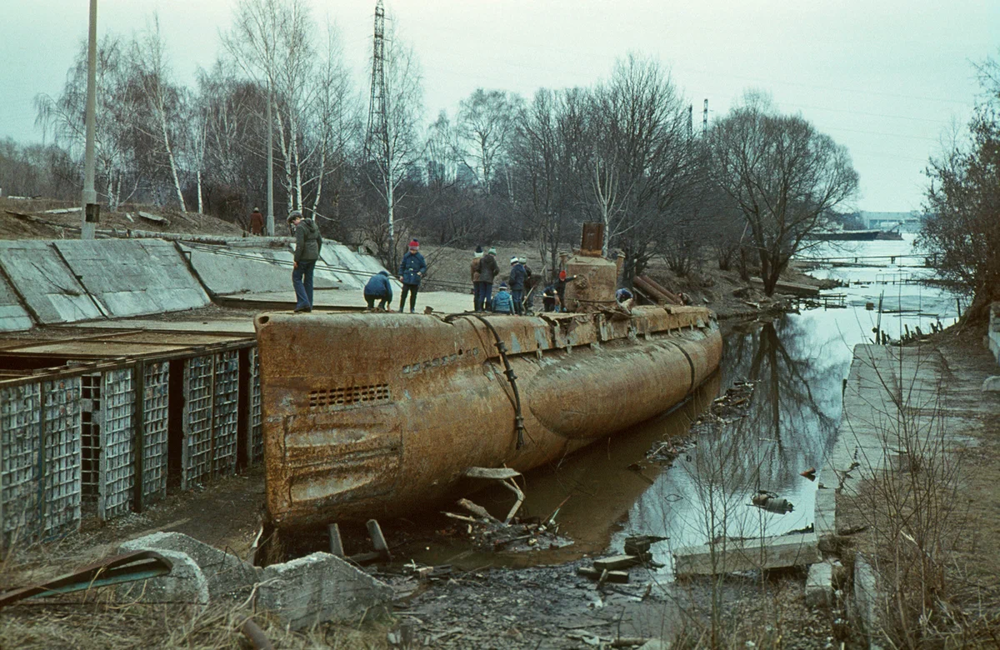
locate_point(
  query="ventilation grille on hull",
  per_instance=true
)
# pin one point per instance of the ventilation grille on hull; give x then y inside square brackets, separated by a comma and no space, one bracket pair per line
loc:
[337,398]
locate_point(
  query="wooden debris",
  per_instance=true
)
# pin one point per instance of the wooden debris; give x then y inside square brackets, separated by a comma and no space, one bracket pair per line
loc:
[619,577]
[378,539]
[747,555]
[496,473]
[617,562]
[640,544]
[477,510]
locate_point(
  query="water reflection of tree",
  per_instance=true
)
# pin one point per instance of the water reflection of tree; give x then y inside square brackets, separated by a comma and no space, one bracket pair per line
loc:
[794,408]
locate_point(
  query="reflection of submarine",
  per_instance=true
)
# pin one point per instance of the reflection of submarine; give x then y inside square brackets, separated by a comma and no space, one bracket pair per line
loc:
[369,415]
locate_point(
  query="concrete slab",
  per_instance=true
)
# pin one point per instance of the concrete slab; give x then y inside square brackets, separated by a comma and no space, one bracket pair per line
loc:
[185,584]
[747,555]
[228,576]
[13,316]
[225,271]
[819,585]
[51,291]
[134,277]
[235,326]
[317,588]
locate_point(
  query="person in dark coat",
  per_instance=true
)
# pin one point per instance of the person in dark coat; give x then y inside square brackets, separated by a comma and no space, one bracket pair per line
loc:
[411,269]
[474,268]
[488,271]
[561,288]
[502,302]
[550,298]
[379,288]
[256,222]
[516,280]
[308,244]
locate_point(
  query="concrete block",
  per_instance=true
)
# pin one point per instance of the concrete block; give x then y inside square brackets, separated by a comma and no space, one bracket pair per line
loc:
[132,277]
[184,584]
[52,292]
[819,587]
[227,575]
[825,517]
[13,316]
[991,384]
[317,588]
[655,644]
[865,598]
[748,555]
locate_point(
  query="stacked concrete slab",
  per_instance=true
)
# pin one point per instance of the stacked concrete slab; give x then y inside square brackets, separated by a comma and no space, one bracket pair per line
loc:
[50,291]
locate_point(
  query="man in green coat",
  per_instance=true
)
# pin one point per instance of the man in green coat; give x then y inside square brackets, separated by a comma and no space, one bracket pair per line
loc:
[308,244]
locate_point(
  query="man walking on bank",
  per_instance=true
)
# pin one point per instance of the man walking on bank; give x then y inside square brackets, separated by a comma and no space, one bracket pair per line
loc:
[411,270]
[308,244]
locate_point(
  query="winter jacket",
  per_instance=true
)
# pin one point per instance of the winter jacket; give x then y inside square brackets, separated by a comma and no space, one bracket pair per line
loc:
[488,269]
[517,277]
[474,267]
[412,268]
[503,303]
[379,286]
[308,242]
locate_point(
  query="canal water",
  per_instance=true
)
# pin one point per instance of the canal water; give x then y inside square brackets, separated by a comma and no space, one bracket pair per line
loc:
[796,364]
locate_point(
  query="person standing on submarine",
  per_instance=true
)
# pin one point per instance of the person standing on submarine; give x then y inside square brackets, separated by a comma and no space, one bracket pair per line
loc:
[411,269]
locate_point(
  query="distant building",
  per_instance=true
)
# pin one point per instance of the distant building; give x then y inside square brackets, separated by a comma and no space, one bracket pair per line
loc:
[906,221]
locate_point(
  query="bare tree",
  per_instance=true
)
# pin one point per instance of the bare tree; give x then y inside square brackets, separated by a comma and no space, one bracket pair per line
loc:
[118,175]
[163,101]
[785,176]
[486,121]
[642,163]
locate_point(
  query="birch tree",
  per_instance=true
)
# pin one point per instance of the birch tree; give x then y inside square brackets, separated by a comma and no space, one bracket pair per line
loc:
[486,121]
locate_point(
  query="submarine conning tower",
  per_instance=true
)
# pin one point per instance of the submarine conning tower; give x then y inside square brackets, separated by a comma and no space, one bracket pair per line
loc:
[596,278]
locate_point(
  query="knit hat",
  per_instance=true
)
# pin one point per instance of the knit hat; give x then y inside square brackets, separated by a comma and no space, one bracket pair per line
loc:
[479,251]
[503,285]
[522,260]
[513,260]
[493,251]
[295,214]
[562,275]
[414,243]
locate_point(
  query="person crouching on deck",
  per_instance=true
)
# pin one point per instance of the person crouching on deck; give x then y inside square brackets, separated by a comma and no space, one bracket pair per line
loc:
[502,302]
[379,288]
[411,269]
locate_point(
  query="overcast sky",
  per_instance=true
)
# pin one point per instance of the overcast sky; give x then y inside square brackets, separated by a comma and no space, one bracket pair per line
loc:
[886,78]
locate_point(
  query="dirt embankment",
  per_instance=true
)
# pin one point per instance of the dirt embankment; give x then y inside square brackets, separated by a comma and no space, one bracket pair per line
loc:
[50,219]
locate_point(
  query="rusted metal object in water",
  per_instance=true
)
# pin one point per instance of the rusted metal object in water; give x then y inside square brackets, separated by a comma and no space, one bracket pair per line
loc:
[376,415]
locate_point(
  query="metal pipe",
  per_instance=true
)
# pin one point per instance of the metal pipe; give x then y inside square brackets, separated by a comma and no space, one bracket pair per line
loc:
[89,216]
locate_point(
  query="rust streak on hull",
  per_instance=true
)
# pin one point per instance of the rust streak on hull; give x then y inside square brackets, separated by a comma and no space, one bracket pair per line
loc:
[375,415]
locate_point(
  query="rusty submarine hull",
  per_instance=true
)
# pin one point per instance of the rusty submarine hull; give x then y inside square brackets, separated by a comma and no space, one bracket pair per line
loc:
[382,414]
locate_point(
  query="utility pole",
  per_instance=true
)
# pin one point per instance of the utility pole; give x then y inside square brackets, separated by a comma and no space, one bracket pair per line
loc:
[270,157]
[704,118]
[690,120]
[377,145]
[91,208]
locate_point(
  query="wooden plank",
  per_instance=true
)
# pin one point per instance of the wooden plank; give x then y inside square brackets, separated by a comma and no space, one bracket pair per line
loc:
[617,562]
[620,577]
[748,555]
[498,473]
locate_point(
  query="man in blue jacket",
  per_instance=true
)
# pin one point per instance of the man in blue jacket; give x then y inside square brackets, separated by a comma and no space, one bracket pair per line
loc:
[379,288]
[517,277]
[502,302]
[411,270]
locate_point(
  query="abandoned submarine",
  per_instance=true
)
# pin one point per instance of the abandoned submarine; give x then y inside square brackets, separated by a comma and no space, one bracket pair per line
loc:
[370,415]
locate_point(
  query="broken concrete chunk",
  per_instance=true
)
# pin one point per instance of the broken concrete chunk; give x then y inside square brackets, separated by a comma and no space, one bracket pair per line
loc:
[991,384]
[184,584]
[819,585]
[617,562]
[227,575]
[748,555]
[148,216]
[317,588]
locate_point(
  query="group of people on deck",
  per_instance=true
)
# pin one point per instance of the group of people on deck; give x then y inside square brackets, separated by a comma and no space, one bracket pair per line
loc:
[509,298]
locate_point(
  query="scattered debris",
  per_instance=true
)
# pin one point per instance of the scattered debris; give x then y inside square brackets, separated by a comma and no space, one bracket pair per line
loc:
[148,216]
[603,575]
[185,584]
[488,533]
[127,567]
[809,474]
[772,503]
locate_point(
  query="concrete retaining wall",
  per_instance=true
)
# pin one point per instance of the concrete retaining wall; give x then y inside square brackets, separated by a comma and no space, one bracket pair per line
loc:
[50,290]
[13,316]
[134,277]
